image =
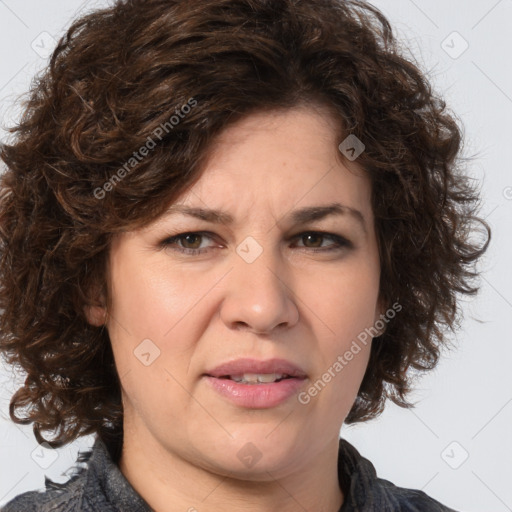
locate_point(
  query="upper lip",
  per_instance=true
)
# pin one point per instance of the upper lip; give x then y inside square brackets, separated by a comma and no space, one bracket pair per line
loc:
[247,365]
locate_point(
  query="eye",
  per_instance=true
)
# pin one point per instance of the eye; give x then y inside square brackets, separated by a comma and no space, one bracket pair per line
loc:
[191,242]
[316,237]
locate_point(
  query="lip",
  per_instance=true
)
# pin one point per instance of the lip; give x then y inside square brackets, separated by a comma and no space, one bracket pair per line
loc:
[256,396]
[247,365]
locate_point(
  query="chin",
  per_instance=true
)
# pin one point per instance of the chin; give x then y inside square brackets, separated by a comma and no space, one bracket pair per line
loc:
[253,455]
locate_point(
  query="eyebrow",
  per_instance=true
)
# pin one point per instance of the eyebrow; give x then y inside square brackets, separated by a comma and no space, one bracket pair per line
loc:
[300,216]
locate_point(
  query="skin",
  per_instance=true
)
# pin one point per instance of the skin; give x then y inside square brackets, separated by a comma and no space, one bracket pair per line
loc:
[203,310]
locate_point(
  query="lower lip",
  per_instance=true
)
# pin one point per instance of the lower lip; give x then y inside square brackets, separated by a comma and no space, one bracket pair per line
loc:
[256,396]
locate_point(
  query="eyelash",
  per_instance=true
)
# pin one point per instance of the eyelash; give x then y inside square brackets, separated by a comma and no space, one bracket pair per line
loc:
[340,242]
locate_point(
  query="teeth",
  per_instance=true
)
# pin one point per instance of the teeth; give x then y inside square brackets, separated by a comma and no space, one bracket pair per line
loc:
[255,378]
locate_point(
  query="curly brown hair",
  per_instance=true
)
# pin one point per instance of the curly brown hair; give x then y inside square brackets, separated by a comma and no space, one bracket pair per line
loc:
[116,79]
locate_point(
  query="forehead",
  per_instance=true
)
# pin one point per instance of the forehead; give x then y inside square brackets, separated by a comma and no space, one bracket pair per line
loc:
[279,165]
[280,156]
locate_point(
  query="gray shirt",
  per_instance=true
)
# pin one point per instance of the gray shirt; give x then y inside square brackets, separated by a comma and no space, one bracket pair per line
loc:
[99,486]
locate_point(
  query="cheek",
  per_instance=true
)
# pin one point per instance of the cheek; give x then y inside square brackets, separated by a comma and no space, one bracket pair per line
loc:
[150,299]
[342,304]
[155,324]
[335,387]
[344,301]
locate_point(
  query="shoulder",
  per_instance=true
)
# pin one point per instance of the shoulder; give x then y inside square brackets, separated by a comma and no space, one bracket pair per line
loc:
[78,494]
[96,485]
[67,498]
[401,499]
[366,491]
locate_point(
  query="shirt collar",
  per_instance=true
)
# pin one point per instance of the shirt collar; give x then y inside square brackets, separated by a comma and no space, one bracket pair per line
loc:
[113,483]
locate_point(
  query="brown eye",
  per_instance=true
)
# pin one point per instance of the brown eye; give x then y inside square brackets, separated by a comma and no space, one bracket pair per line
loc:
[313,240]
[188,243]
[191,241]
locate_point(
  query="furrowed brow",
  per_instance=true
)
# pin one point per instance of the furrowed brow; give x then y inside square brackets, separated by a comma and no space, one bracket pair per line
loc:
[300,216]
[312,213]
[206,214]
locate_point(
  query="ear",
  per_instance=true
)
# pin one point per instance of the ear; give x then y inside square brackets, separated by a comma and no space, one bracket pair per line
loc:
[96,311]
[96,315]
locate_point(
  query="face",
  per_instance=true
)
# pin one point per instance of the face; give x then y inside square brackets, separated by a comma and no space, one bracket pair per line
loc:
[268,280]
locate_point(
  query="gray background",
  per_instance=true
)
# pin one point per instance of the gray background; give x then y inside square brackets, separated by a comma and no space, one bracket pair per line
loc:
[456,444]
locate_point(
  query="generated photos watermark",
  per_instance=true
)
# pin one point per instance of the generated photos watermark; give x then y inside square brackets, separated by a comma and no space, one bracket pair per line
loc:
[304,397]
[150,144]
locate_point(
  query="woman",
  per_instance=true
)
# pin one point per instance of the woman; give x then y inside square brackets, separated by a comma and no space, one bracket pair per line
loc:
[228,227]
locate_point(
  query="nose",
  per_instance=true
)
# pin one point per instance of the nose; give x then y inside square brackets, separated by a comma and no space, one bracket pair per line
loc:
[258,298]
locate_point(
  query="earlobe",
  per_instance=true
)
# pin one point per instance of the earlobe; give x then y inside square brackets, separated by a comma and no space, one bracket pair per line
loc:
[96,315]
[95,309]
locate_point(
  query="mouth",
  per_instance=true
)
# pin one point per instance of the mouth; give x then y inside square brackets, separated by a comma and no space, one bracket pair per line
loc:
[254,384]
[253,370]
[254,394]
[256,378]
